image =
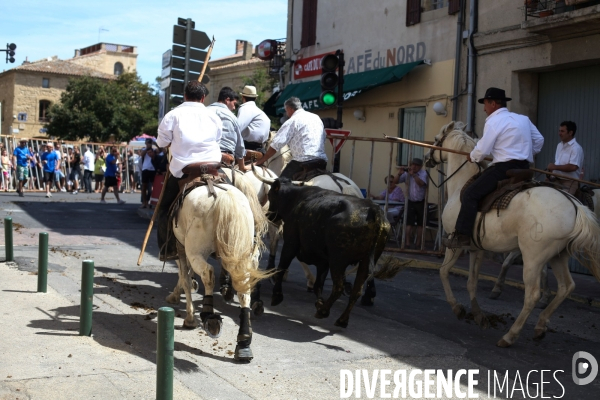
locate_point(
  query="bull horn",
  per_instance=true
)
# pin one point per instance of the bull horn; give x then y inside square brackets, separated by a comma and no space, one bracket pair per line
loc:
[268,181]
[300,183]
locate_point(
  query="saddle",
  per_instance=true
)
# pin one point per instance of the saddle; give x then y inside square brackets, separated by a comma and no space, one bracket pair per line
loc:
[252,156]
[227,158]
[311,169]
[507,189]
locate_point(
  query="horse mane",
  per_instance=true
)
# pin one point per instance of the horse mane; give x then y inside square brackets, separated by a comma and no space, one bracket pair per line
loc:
[457,139]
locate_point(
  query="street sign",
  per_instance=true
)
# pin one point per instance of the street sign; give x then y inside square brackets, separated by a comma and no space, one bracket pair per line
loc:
[176,88]
[179,63]
[193,76]
[166,59]
[166,72]
[179,51]
[200,40]
[165,83]
[337,143]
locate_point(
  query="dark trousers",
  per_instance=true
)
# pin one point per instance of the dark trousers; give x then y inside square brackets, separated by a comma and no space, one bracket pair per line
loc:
[293,167]
[484,185]
[87,180]
[254,146]
[171,191]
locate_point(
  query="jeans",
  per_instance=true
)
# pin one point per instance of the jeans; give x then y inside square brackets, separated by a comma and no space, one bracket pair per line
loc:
[87,180]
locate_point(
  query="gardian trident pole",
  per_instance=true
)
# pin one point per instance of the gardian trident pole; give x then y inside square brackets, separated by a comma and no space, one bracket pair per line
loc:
[464,153]
[167,174]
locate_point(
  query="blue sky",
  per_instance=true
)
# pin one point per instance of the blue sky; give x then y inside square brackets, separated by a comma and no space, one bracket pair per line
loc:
[56,28]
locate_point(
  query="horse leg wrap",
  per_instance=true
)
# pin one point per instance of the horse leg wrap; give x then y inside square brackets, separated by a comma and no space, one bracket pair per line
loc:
[244,337]
[207,308]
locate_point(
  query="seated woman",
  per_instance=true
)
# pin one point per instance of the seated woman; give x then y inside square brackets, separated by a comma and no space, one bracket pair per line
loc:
[395,194]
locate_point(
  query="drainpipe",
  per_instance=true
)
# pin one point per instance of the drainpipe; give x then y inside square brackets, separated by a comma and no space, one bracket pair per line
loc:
[459,29]
[471,68]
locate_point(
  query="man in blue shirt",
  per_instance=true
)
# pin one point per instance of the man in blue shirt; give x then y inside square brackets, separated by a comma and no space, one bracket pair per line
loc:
[49,159]
[21,159]
[110,175]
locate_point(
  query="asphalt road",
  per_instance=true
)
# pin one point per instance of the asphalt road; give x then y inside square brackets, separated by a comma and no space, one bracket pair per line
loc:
[296,356]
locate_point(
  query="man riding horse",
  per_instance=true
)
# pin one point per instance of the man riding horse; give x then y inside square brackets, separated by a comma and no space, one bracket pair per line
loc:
[512,140]
[193,133]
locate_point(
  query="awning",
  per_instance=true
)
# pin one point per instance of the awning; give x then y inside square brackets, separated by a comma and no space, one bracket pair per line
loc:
[354,84]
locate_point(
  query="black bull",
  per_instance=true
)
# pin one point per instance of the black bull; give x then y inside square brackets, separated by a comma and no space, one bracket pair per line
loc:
[328,230]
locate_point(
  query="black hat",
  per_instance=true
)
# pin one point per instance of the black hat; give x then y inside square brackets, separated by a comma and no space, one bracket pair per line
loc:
[494,94]
[417,161]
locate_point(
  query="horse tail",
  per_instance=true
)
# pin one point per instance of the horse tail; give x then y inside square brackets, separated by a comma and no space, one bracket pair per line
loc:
[584,240]
[236,243]
[258,214]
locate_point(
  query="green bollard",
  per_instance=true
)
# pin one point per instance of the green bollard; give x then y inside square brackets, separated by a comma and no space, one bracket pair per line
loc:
[164,353]
[87,297]
[8,240]
[43,263]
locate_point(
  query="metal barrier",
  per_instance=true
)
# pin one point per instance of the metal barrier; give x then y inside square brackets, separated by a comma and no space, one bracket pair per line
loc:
[399,227]
[35,182]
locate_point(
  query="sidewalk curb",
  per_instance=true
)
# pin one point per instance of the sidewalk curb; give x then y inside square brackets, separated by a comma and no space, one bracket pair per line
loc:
[420,264]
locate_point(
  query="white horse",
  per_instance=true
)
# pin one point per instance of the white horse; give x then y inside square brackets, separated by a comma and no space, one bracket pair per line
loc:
[544,223]
[508,261]
[227,227]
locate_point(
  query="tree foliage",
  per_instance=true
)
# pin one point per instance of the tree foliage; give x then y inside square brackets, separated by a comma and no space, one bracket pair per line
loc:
[94,109]
[264,84]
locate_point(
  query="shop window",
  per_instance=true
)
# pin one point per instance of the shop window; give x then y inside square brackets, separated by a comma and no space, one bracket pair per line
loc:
[44,107]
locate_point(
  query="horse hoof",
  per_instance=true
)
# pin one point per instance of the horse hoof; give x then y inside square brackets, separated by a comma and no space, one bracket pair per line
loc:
[539,334]
[227,293]
[190,325]
[212,326]
[321,314]
[341,324]
[495,295]
[367,301]
[347,288]
[258,308]
[482,321]
[195,285]
[503,343]
[276,299]
[243,354]
[459,311]
[172,299]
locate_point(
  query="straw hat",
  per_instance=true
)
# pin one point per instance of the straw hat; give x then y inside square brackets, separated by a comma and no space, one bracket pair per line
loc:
[249,91]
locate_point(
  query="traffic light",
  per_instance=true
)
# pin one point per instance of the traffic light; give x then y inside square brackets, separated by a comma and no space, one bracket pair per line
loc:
[329,79]
[10,52]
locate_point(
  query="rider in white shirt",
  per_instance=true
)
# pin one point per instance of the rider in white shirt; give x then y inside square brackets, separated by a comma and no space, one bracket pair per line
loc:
[253,122]
[512,140]
[193,133]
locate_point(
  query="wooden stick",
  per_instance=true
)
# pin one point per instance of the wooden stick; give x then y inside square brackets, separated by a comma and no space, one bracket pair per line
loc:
[151,224]
[464,153]
[205,64]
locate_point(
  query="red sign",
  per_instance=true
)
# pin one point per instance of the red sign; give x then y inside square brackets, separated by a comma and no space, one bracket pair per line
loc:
[310,66]
[157,188]
[337,143]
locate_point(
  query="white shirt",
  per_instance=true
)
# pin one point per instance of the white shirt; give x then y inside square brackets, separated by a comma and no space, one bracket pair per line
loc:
[136,160]
[88,160]
[147,163]
[508,136]
[194,134]
[253,122]
[304,134]
[569,153]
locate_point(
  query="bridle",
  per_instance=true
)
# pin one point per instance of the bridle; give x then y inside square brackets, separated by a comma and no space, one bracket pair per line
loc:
[432,163]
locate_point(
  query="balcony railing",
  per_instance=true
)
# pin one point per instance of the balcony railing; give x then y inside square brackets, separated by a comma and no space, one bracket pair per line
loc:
[546,8]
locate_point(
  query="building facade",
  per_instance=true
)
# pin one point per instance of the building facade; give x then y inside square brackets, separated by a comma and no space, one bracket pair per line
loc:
[233,70]
[28,91]
[399,64]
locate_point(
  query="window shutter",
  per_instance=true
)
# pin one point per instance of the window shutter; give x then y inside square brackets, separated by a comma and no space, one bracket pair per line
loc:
[453,6]
[413,12]
[309,23]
